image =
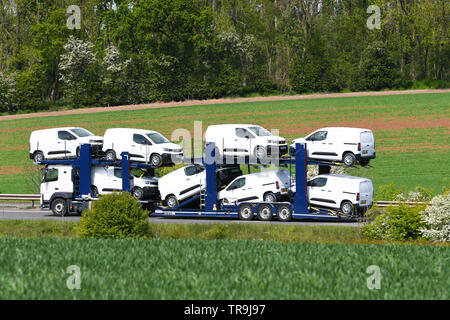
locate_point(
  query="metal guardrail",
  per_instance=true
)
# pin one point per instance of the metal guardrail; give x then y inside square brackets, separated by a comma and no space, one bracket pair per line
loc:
[36,197]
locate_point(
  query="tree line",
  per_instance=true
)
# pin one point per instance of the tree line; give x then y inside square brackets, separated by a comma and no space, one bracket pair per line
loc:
[138,51]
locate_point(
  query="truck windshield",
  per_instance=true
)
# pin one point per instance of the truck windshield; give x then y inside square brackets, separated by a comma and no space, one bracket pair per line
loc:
[157,138]
[260,131]
[81,132]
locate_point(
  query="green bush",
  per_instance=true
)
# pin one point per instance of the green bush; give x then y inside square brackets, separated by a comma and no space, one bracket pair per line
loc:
[395,223]
[116,215]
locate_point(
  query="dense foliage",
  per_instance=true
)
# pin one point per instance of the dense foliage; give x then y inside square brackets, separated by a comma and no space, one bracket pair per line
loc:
[134,51]
[436,218]
[116,215]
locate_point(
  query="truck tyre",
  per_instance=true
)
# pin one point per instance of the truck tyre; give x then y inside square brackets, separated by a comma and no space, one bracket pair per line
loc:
[171,201]
[38,156]
[155,160]
[94,191]
[110,155]
[260,152]
[265,212]
[270,197]
[138,193]
[284,212]
[59,207]
[347,208]
[245,212]
[349,159]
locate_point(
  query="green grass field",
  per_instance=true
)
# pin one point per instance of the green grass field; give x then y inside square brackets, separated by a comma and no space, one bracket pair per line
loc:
[219,269]
[411,131]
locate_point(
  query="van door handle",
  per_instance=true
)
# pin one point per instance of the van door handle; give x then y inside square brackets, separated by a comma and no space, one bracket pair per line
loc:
[322,189]
[56,188]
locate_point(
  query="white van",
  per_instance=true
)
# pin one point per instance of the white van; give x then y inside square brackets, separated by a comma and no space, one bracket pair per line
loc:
[108,179]
[349,194]
[267,186]
[61,142]
[348,145]
[188,181]
[245,140]
[142,145]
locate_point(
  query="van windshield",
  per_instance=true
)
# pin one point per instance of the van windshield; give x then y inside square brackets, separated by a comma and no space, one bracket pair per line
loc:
[157,138]
[81,132]
[260,131]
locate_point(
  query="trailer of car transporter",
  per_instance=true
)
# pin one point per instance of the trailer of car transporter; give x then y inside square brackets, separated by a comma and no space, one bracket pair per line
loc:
[296,208]
[61,202]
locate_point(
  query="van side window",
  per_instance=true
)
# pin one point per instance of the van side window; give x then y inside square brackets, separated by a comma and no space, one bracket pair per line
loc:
[318,136]
[64,135]
[118,173]
[191,170]
[140,139]
[51,175]
[318,182]
[243,133]
[239,183]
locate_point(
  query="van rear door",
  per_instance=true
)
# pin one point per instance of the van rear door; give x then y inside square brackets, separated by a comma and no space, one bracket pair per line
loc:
[366,193]
[367,143]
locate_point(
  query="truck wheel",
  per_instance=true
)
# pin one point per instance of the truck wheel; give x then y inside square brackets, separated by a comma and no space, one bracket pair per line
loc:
[284,212]
[245,212]
[171,201]
[349,159]
[94,191]
[110,155]
[270,197]
[347,208]
[265,212]
[260,152]
[156,160]
[59,207]
[138,193]
[38,156]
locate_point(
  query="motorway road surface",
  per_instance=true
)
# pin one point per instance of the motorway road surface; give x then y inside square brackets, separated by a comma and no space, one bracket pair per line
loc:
[37,214]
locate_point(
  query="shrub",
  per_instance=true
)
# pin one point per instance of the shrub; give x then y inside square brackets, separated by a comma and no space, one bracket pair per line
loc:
[395,223]
[116,215]
[436,218]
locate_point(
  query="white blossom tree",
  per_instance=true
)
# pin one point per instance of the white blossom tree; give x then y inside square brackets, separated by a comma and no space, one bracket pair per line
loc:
[437,219]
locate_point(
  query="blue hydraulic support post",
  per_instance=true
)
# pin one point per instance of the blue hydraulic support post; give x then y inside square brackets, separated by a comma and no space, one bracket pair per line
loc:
[301,195]
[210,164]
[125,172]
[85,170]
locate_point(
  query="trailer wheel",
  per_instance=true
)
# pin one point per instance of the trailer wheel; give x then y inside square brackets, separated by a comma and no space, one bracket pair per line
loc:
[59,207]
[38,157]
[245,212]
[265,212]
[284,212]
[110,155]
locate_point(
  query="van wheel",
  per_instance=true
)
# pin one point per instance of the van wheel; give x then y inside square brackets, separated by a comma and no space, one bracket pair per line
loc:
[94,191]
[265,212]
[349,159]
[270,197]
[222,202]
[284,213]
[347,208]
[171,201]
[59,207]
[78,152]
[110,155]
[245,212]
[138,193]
[156,160]
[38,156]
[260,152]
